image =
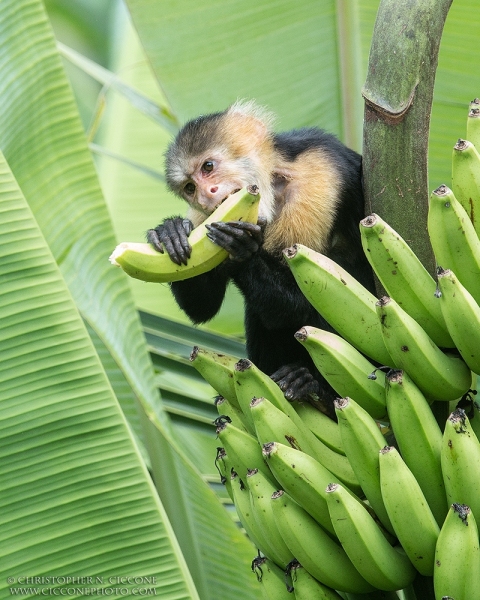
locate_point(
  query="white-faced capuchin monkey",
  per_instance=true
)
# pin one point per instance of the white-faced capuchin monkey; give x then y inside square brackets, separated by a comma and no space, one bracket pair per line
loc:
[311,193]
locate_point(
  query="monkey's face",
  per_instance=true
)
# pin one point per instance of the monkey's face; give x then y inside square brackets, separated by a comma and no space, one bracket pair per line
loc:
[207,180]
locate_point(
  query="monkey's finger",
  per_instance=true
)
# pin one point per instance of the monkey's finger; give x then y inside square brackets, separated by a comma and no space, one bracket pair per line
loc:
[175,240]
[256,231]
[238,244]
[240,230]
[152,238]
[301,389]
[251,228]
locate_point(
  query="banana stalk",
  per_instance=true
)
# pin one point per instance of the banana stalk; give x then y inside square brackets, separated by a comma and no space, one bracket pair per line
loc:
[142,261]
[340,299]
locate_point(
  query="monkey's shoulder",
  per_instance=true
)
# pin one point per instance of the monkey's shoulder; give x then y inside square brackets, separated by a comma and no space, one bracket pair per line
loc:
[294,142]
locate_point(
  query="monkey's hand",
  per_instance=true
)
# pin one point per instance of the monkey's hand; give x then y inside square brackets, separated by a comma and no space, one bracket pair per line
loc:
[296,382]
[172,235]
[239,238]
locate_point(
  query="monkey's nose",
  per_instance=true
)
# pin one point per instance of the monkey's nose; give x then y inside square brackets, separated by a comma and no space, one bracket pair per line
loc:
[214,189]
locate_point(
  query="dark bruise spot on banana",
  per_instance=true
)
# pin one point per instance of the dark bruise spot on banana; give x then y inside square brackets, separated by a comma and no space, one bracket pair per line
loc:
[293,442]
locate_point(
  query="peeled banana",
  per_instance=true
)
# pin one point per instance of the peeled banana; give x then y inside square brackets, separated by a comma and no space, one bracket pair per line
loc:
[142,261]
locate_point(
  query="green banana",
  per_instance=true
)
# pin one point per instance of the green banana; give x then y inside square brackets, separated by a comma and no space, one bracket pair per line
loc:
[466,179]
[243,506]
[383,566]
[345,369]
[461,462]
[473,124]
[261,491]
[243,450]
[217,369]
[250,382]
[271,578]
[236,416]
[142,261]
[340,299]
[462,315]
[457,556]
[303,478]
[272,425]
[419,438]
[362,441]
[454,240]
[404,277]
[412,520]
[439,376]
[323,558]
[324,428]
[307,587]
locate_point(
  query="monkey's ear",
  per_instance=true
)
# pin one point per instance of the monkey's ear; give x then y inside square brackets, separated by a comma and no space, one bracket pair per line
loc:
[248,126]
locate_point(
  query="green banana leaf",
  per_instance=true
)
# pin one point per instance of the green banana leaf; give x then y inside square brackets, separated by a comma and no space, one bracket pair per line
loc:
[76,498]
[43,140]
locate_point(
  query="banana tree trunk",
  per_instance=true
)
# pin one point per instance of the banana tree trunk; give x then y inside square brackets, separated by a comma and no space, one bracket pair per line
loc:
[398,95]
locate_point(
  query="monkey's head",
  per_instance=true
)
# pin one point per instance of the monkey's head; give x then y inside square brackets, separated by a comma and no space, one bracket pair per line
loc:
[216,155]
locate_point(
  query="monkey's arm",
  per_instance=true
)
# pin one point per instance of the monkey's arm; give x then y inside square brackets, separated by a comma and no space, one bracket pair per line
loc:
[201,297]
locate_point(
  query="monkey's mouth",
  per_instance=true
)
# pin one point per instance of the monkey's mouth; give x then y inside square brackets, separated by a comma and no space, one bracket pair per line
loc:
[228,196]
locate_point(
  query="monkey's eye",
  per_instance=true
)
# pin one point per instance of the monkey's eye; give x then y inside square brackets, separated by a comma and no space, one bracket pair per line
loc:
[207,166]
[189,189]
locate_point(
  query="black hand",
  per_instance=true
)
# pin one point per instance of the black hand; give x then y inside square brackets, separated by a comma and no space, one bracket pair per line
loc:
[239,238]
[173,235]
[296,382]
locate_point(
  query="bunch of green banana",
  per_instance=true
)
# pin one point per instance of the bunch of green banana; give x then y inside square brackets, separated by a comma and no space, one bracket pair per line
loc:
[362,513]
[142,261]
